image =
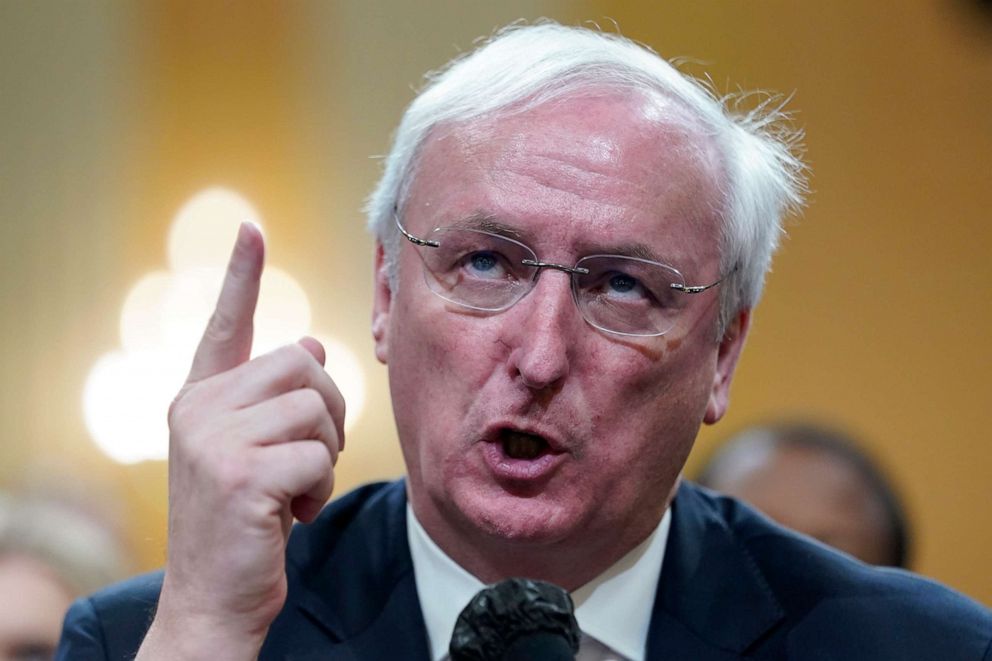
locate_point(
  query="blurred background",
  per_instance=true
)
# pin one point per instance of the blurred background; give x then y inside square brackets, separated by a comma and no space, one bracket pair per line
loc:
[133,134]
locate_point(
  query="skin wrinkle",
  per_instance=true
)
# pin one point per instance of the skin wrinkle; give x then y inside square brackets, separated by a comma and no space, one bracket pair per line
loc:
[601,225]
[691,137]
[488,222]
[688,139]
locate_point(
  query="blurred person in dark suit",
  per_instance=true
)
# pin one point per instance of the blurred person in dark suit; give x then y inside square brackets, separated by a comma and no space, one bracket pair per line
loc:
[50,554]
[817,481]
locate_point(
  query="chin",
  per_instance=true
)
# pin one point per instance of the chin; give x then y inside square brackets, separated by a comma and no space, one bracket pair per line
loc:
[516,518]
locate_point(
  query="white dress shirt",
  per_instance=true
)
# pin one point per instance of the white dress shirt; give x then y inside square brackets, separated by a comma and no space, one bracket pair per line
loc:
[613,610]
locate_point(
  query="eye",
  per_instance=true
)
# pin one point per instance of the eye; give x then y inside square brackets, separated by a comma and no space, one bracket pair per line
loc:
[32,651]
[619,286]
[636,284]
[485,265]
[622,283]
[473,258]
[482,261]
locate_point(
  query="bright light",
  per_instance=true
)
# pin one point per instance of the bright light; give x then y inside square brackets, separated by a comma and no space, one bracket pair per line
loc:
[128,391]
[203,230]
[283,311]
[125,402]
[344,368]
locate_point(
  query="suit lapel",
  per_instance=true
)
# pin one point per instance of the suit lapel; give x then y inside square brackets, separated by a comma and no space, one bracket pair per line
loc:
[359,601]
[713,602]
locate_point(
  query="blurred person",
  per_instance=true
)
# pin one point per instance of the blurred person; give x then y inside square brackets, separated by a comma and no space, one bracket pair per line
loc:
[818,482]
[49,555]
[571,236]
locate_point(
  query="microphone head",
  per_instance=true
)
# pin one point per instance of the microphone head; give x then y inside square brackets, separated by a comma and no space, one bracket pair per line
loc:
[518,618]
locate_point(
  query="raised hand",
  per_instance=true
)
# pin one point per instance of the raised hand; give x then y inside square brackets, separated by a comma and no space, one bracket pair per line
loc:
[252,443]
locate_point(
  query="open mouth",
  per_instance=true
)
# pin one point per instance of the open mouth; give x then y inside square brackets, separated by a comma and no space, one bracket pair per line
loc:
[521,445]
[523,461]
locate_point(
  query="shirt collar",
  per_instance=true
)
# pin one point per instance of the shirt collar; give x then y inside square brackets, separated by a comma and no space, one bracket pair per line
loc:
[614,608]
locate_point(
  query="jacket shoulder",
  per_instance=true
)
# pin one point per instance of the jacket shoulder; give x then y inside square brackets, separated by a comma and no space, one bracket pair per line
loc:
[833,601]
[111,623]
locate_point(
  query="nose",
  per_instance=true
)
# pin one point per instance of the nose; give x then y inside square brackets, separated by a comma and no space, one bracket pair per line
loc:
[542,333]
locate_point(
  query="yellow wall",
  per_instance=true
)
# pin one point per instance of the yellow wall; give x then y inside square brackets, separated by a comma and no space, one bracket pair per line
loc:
[113,114]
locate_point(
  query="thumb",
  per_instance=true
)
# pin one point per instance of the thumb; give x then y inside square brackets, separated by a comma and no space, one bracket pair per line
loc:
[226,342]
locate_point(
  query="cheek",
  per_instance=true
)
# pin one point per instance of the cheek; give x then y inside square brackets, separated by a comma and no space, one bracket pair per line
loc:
[650,407]
[439,364]
[435,341]
[671,380]
[455,354]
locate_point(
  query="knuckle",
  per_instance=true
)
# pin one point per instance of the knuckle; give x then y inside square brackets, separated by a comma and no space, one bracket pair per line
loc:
[320,463]
[303,359]
[304,403]
[291,362]
[186,411]
[178,409]
[332,443]
[174,413]
[231,473]
[292,353]
[326,462]
[321,458]
[314,400]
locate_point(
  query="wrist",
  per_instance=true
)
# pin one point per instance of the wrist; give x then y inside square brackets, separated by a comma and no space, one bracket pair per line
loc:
[185,634]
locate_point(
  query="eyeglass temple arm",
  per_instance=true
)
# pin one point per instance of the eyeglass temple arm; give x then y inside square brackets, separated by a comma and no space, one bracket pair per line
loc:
[415,239]
[693,289]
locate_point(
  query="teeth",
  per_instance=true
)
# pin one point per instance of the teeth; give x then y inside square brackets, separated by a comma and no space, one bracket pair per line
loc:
[518,445]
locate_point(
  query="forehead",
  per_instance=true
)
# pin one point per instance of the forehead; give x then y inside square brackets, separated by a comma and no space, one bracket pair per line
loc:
[819,479]
[600,167]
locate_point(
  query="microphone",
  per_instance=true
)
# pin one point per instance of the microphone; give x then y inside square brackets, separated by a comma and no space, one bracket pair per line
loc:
[518,619]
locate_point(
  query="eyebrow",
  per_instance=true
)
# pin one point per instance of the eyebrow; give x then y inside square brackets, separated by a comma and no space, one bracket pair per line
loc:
[638,250]
[488,222]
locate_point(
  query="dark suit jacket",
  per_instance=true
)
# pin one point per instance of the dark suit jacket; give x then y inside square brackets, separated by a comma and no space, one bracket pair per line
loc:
[733,586]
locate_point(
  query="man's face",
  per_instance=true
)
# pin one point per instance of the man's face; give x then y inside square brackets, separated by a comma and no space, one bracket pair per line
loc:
[816,493]
[611,419]
[30,623]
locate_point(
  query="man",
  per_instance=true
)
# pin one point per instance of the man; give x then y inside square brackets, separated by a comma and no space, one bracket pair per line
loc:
[571,236]
[50,554]
[814,480]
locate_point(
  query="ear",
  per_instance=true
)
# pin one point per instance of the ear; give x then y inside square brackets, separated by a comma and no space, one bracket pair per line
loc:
[726,362]
[382,302]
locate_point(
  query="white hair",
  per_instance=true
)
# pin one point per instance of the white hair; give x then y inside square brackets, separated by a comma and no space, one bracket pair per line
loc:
[82,552]
[523,66]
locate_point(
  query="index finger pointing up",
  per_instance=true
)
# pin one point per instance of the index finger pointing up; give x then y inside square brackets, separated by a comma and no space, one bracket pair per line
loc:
[226,342]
